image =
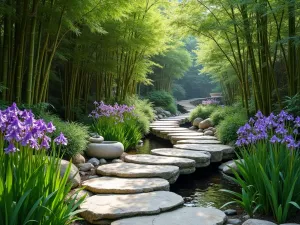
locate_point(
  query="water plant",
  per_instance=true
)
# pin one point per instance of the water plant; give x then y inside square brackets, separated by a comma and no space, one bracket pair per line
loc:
[269,173]
[32,190]
[116,123]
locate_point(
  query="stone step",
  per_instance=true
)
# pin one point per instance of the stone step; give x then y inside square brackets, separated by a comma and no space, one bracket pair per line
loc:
[198,142]
[163,126]
[176,131]
[184,215]
[174,139]
[103,209]
[186,166]
[218,152]
[188,134]
[202,159]
[115,185]
[132,170]
[168,129]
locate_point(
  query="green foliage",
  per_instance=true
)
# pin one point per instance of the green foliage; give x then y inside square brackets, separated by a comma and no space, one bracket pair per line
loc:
[127,132]
[292,104]
[226,130]
[269,177]
[220,113]
[163,99]
[76,133]
[32,190]
[143,110]
[178,91]
[202,111]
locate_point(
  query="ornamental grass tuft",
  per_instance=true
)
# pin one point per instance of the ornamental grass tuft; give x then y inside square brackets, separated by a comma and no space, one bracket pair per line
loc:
[269,174]
[31,188]
[117,123]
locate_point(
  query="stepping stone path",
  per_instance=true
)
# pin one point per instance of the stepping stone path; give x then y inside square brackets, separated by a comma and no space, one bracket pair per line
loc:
[218,152]
[132,170]
[186,215]
[202,159]
[103,209]
[198,142]
[139,187]
[115,185]
[186,166]
[174,139]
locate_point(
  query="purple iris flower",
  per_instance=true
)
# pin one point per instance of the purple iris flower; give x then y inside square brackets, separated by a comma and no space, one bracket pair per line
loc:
[61,140]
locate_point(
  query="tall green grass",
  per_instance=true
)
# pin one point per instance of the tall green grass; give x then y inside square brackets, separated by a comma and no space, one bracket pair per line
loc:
[32,190]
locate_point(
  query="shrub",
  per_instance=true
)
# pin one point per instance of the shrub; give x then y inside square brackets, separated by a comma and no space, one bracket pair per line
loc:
[143,109]
[163,99]
[202,111]
[269,175]
[76,133]
[117,123]
[178,91]
[227,129]
[32,190]
[292,104]
[221,112]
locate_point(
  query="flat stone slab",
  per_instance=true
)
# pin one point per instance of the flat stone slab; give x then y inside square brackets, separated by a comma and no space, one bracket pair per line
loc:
[163,126]
[189,134]
[198,142]
[185,165]
[202,159]
[115,185]
[132,170]
[185,215]
[167,129]
[217,151]
[175,131]
[174,139]
[102,209]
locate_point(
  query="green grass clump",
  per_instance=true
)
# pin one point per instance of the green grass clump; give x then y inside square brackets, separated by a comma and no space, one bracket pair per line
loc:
[226,130]
[163,99]
[221,112]
[143,109]
[202,111]
[76,133]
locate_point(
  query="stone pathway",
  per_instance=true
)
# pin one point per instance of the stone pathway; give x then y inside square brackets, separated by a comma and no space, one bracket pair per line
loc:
[139,187]
[182,216]
[186,166]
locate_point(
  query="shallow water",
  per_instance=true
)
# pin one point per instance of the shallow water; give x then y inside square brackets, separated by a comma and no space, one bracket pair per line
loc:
[201,188]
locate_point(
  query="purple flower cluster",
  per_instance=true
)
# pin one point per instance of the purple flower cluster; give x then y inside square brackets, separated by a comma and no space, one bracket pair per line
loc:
[116,111]
[20,128]
[211,101]
[281,128]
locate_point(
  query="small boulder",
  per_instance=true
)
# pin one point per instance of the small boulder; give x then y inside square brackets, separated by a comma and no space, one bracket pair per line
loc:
[231,165]
[209,133]
[230,212]
[160,116]
[78,159]
[94,161]
[192,128]
[117,161]
[85,167]
[197,121]
[205,124]
[234,221]
[74,176]
[167,113]
[200,130]
[257,222]
[103,161]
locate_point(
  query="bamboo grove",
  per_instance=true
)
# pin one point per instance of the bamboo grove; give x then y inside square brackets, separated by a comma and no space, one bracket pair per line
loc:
[78,50]
[251,46]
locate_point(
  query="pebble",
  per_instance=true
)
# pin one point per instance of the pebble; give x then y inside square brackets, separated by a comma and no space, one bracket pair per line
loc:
[85,167]
[246,217]
[234,221]
[230,212]
[102,161]
[94,161]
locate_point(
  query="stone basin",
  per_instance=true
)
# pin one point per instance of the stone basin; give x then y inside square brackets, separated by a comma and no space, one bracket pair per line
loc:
[105,150]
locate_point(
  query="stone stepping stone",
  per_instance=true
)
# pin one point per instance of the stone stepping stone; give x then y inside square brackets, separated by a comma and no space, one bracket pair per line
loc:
[168,129]
[202,159]
[186,134]
[163,126]
[185,215]
[175,131]
[164,122]
[115,185]
[186,166]
[103,209]
[132,170]
[198,142]
[174,139]
[218,152]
